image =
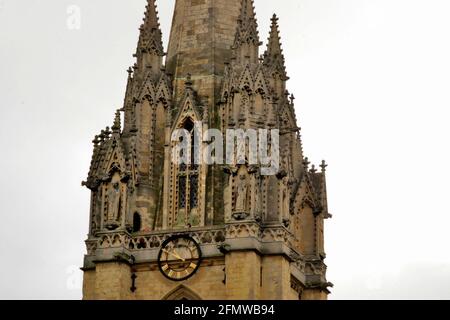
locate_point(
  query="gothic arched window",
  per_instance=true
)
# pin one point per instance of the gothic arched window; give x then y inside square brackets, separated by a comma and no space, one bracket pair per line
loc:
[188,176]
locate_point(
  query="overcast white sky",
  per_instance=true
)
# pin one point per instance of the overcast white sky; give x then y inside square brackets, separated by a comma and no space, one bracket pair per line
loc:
[371,78]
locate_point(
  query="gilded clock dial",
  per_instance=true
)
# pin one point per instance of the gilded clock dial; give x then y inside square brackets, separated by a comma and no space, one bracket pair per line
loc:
[179,258]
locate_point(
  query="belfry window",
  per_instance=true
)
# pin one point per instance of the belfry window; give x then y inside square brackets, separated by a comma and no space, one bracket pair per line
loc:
[188,175]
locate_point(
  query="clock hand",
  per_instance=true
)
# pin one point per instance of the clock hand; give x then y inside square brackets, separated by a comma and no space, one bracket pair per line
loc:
[174,255]
[179,257]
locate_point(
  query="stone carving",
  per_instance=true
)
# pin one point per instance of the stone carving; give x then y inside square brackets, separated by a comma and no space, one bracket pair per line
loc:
[241,193]
[242,189]
[95,212]
[113,203]
[311,267]
[151,241]
[207,236]
[91,246]
[276,234]
[297,285]
[114,195]
[151,106]
[243,231]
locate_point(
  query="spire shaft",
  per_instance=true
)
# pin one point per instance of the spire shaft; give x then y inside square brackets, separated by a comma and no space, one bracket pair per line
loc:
[246,43]
[274,44]
[201,38]
[150,47]
[273,57]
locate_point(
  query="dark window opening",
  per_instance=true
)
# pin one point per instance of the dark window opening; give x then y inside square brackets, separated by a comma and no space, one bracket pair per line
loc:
[188,125]
[182,192]
[188,174]
[193,199]
[137,222]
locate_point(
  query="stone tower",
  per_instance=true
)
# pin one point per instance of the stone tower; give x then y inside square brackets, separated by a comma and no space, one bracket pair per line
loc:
[255,236]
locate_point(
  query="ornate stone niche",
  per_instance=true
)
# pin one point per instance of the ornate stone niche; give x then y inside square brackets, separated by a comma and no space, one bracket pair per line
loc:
[114,199]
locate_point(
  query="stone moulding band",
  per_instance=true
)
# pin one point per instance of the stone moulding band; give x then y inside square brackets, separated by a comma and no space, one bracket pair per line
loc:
[204,236]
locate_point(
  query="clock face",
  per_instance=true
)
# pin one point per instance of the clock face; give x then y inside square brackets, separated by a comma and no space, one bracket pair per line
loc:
[179,258]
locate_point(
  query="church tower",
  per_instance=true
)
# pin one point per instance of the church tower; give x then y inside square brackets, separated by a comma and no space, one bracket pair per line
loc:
[164,229]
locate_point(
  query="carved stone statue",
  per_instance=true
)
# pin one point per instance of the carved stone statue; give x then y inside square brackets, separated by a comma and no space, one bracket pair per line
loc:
[241,194]
[114,197]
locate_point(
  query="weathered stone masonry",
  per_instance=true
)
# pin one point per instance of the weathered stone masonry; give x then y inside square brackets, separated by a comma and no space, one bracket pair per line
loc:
[271,244]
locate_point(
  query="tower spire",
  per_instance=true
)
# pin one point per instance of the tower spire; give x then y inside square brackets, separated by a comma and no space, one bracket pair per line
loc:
[150,47]
[246,43]
[273,57]
[274,44]
[256,215]
[203,29]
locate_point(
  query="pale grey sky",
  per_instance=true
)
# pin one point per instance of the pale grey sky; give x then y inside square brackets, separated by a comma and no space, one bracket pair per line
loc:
[371,78]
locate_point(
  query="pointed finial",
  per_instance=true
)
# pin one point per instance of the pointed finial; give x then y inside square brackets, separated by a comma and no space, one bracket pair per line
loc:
[324,166]
[150,39]
[274,57]
[247,31]
[107,132]
[313,169]
[151,19]
[96,141]
[247,10]
[274,44]
[306,163]
[117,125]
[292,99]
[130,71]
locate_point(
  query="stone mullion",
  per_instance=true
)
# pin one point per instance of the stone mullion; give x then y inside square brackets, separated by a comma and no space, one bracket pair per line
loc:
[102,214]
[167,179]
[173,196]
[152,145]
[253,199]
[187,206]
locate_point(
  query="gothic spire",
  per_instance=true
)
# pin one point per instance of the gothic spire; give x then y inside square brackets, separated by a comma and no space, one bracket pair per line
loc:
[246,43]
[273,57]
[324,166]
[151,20]
[274,44]
[150,47]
